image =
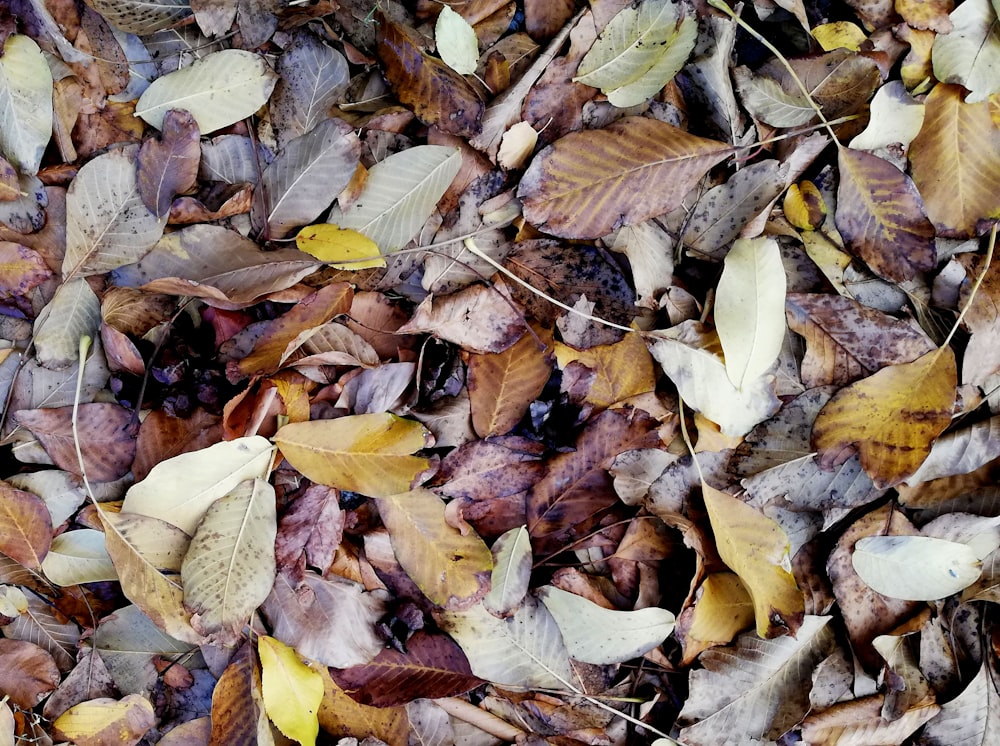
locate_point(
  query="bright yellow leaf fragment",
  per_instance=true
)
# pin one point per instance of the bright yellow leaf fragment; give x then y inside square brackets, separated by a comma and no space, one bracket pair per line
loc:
[105,720]
[891,417]
[757,550]
[365,453]
[341,248]
[840,34]
[292,691]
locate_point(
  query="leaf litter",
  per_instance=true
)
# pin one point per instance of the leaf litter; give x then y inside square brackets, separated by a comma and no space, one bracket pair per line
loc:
[631,377]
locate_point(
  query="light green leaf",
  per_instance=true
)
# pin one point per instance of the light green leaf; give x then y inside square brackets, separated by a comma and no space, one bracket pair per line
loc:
[107,224]
[915,568]
[630,45]
[750,309]
[219,89]
[180,489]
[511,572]
[73,312]
[78,557]
[400,194]
[142,16]
[969,54]
[25,103]
[524,651]
[700,377]
[456,42]
[674,54]
[229,568]
[596,635]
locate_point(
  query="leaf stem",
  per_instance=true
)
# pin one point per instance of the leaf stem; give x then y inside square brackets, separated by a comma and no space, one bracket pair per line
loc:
[975,286]
[84,347]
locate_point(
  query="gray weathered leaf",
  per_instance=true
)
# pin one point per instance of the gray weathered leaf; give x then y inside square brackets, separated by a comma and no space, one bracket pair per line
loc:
[313,77]
[142,16]
[25,103]
[73,312]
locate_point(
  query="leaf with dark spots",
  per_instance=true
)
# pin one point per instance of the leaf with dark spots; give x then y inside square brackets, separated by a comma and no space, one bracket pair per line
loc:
[437,94]
[169,166]
[568,501]
[432,666]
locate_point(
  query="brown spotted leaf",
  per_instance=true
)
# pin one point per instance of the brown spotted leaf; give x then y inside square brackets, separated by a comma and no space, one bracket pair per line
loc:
[169,166]
[437,94]
[590,183]
[881,217]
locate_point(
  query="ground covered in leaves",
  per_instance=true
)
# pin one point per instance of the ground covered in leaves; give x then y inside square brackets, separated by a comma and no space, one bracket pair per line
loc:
[540,372]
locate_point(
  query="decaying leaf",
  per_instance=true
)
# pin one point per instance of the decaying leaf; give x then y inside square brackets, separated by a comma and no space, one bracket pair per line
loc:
[915,568]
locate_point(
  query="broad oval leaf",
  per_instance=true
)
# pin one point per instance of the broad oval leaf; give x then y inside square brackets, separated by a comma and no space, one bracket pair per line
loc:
[25,103]
[107,224]
[891,417]
[341,248]
[969,54]
[105,720]
[313,78]
[881,217]
[292,691]
[955,162]
[78,557]
[179,490]
[305,177]
[757,549]
[750,309]
[219,89]
[366,453]
[915,568]
[594,634]
[511,574]
[591,183]
[449,567]
[25,526]
[229,567]
[400,194]
[73,312]
[456,42]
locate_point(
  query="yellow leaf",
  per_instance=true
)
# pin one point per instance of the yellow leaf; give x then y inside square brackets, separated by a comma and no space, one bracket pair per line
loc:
[723,608]
[840,34]
[342,248]
[891,417]
[450,568]
[292,691]
[103,721]
[342,716]
[365,453]
[621,370]
[804,207]
[756,548]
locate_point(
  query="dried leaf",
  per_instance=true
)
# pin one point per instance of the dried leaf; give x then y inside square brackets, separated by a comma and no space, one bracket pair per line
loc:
[139,17]
[169,166]
[511,574]
[969,54]
[891,417]
[100,720]
[502,385]
[591,183]
[456,42]
[366,453]
[219,89]
[27,673]
[340,715]
[620,370]
[955,161]
[342,248]
[313,79]
[915,568]
[25,526]
[881,217]
[229,567]
[292,691]
[449,567]
[437,94]
[25,103]
[78,557]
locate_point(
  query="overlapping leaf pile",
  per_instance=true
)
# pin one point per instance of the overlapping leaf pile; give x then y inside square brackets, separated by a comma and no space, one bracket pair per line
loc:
[546,372]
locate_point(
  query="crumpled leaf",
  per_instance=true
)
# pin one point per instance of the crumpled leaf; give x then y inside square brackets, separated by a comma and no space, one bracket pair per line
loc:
[292,691]
[456,42]
[25,103]
[229,567]
[891,417]
[594,634]
[620,370]
[219,89]
[366,453]
[750,309]
[915,568]
[593,182]
[757,550]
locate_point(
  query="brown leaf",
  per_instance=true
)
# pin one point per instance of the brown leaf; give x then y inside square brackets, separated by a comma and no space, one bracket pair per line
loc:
[846,340]
[982,354]
[237,707]
[21,270]
[437,94]
[27,673]
[313,526]
[284,335]
[544,18]
[89,679]
[432,666]
[590,183]
[502,385]
[478,319]
[881,216]
[25,526]
[162,436]
[107,440]
[577,488]
[169,166]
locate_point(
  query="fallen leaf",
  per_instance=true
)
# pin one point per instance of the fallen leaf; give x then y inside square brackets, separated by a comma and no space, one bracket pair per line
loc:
[621,370]
[313,77]
[292,691]
[915,568]
[340,715]
[96,722]
[27,673]
[169,166]
[26,528]
[342,248]
[25,103]
[968,54]
[78,557]
[456,42]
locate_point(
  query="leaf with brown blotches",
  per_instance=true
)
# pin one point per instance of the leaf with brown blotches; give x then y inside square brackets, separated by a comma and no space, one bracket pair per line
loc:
[437,94]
